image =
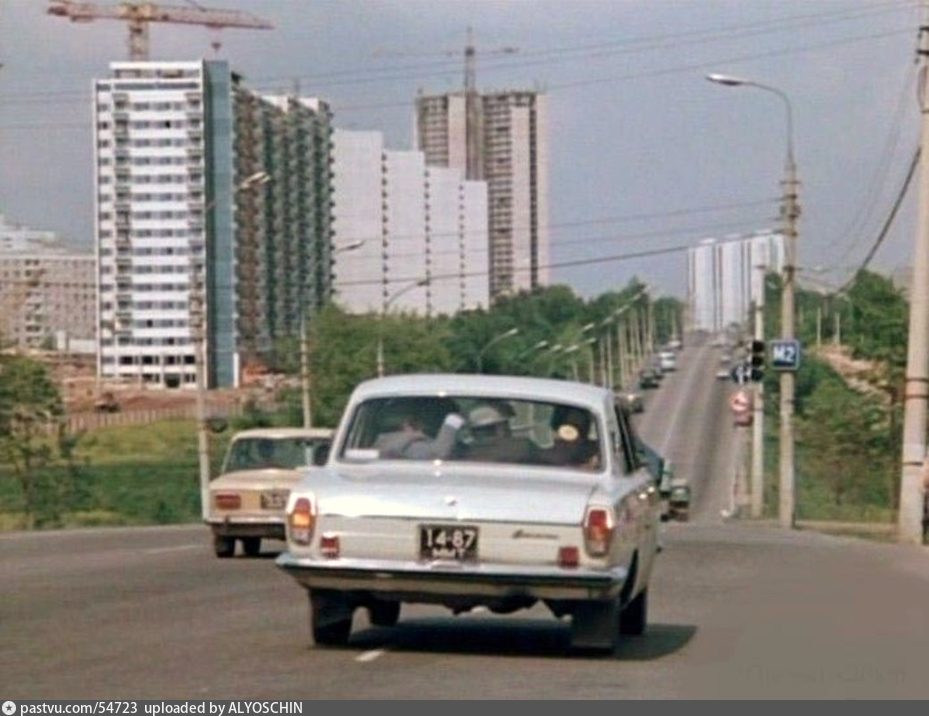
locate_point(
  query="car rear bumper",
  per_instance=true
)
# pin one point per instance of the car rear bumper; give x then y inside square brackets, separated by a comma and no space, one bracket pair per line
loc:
[248,527]
[433,581]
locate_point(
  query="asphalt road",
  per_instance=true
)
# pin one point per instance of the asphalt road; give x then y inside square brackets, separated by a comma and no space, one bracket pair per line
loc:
[736,610]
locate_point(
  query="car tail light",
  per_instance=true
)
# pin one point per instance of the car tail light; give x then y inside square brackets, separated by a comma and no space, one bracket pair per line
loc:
[598,530]
[228,501]
[569,556]
[329,546]
[302,520]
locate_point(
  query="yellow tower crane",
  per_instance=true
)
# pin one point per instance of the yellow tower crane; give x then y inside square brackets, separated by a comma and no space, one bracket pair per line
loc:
[139,15]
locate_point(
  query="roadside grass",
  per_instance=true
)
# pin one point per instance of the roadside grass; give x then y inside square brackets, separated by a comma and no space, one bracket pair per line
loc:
[864,511]
[126,475]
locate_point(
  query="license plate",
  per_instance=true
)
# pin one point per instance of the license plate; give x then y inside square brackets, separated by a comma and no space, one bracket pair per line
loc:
[454,542]
[274,500]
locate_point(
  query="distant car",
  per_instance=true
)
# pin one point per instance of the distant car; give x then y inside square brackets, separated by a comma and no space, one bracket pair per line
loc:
[648,379]
[248,498]
[722,374]
[468,491]
[675,345]
[632,401]
[668,361]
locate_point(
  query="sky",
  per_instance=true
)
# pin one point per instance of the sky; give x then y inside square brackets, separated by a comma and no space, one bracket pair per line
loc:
[647,157]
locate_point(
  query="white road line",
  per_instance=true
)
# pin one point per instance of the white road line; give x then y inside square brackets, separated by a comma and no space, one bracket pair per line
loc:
[179,548]
[370,655]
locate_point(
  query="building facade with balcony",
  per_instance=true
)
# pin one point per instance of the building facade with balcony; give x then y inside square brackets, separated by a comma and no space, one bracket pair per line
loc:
[511,131]
[178,227]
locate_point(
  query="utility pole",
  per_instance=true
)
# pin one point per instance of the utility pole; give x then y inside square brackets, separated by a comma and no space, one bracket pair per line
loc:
[757,475]
[305,373]
[910,516]
[198,331]
[791,212]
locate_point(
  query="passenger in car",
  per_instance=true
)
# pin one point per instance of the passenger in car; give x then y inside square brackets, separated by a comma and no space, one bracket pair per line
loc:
[492,439]
[572,444]
[411,442]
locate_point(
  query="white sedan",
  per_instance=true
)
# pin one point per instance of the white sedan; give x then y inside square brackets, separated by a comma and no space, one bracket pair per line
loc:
[471,491]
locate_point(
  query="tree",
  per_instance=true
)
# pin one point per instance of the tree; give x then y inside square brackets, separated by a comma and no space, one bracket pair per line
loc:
[29,404]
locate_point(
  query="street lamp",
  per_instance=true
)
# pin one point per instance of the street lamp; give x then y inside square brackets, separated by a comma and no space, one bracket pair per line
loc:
[385,307]
[790,213]
[493,341]
[532,349]
[198,329]
[304,347]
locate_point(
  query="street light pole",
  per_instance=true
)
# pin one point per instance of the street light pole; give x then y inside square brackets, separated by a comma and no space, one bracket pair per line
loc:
[757,475]
[916,390]
[790,212]
[305,377]
[493,341]
[380,332]
[198,330]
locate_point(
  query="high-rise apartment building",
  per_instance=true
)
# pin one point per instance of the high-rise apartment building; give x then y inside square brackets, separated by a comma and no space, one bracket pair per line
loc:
[175,144]
[46,288]
[414,224]
[510,136]
[726,276]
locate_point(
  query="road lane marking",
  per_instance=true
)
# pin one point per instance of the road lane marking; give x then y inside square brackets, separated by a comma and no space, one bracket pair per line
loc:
[370,655]
[178,548]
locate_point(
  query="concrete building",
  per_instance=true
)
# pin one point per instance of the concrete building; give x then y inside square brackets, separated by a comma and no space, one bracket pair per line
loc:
[724,278]
[174,143]
[512,146]
[47,290]
[416,222]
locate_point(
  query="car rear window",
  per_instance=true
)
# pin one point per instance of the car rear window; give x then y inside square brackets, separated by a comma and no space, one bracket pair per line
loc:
[474,429]
[261,453]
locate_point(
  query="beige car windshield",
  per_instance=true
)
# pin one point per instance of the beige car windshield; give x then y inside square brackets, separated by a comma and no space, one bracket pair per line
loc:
[270,453]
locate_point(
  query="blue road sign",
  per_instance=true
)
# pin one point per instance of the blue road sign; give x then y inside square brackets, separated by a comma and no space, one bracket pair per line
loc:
[785,354]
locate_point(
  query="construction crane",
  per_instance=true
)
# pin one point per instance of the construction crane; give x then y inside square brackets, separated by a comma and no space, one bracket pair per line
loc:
[473,131]
[139,15]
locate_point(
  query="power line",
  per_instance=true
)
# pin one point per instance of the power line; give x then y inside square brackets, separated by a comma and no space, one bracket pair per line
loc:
[867,207]
[888,222]
[624,46]
[558,264]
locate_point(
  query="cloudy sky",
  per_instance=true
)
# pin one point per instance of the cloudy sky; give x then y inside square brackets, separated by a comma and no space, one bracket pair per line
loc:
[646,154]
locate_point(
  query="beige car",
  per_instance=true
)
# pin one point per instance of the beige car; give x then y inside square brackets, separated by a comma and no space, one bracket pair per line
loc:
[248,498]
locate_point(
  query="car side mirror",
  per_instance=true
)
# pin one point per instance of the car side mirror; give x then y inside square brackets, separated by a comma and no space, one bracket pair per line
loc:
[321,456]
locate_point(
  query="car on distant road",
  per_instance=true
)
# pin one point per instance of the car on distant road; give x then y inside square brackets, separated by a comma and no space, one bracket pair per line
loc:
[648,379]
[723,374]
[248,498]
[667,361]
[632,401]
[477,491]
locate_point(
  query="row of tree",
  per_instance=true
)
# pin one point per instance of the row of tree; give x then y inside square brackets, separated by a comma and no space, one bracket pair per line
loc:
[526,334]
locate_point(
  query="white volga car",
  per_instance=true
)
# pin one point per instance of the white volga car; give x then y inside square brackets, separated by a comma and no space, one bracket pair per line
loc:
[467,490]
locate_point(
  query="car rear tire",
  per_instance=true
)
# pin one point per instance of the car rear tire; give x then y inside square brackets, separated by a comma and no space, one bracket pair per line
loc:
[595,627]
[633,618]
[384,614]
[223,546]
[330,617]
[251,546]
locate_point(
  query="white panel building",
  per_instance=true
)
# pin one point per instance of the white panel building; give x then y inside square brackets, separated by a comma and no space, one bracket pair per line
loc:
[726,276]
[513,147]
[417,224]
[404,244]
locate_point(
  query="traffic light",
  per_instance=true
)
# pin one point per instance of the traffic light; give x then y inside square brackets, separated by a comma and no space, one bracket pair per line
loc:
[756,360]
